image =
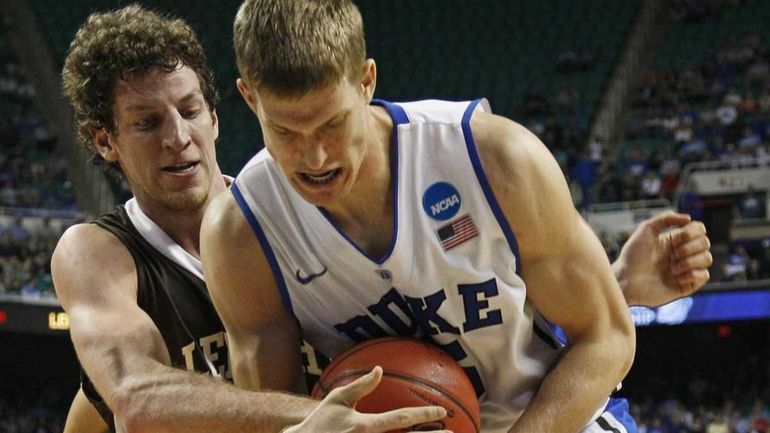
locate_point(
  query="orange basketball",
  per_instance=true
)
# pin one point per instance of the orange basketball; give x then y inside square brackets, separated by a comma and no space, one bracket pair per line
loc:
[415,373]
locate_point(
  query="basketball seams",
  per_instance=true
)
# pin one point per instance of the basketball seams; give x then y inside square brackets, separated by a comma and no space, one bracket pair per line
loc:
[394,357]
[347,354]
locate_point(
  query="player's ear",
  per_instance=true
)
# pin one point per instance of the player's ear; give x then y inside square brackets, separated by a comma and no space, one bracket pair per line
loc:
[215,121]
[369,79]
[103,142]
[247,94]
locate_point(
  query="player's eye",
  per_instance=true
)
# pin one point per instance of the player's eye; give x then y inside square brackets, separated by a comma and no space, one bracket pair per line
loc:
[191,114]
[337,121]
[146,123]
[280,131]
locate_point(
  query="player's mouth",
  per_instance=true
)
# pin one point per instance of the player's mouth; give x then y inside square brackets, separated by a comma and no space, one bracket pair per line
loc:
[183,168]
[321,178]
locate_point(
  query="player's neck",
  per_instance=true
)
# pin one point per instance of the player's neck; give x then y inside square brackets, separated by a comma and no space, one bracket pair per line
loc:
[366,214]
[182,226]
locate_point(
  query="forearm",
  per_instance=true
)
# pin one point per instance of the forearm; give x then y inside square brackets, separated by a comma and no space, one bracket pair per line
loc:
[577,386]
[168,400]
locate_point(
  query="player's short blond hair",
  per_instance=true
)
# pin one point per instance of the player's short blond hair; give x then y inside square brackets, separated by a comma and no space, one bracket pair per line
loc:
[290,47]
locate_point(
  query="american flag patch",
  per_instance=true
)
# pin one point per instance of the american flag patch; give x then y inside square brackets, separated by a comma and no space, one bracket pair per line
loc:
[457,232]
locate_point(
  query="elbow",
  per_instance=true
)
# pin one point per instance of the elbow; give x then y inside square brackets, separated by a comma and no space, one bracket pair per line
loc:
[624,346]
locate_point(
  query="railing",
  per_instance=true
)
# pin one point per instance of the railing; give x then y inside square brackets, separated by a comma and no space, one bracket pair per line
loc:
[43,301]
[61,214]
[629,205]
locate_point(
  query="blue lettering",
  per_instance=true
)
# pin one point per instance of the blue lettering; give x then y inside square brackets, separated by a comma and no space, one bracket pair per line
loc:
[425,310]
[353,327]
[383,310]
[475,304]
[456,351]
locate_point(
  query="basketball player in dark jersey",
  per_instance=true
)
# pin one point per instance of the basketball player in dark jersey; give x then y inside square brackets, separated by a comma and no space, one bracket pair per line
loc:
[131,282]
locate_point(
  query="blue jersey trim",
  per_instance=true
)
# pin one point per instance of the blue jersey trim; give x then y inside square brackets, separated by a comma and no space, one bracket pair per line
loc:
[263,242]
[399,117]
[618,407]
[482,177]
[397,112]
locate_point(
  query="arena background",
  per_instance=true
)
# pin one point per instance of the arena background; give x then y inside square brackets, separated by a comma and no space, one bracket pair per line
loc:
[646,104]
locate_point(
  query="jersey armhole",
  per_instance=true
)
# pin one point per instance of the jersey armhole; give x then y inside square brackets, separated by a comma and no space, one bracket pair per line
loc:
[265,244]
[483,105]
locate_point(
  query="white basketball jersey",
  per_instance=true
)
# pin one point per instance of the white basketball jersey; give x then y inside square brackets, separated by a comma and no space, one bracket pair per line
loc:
[451,275]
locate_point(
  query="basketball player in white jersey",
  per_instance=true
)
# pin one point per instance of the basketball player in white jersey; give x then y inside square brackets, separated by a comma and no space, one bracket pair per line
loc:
[432,219]
[131,282]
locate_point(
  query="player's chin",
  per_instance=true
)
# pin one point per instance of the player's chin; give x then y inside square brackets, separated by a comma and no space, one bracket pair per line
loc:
[191,199]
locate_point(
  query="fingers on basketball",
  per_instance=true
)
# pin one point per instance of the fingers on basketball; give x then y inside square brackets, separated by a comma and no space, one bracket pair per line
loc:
[350,394]
[407,417]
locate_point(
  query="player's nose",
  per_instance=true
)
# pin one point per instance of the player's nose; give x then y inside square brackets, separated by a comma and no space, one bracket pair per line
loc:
[176,132]
[314,155]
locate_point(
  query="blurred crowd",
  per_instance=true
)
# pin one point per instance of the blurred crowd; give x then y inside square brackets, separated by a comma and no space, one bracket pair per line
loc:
[25,258]
[32,174]
[747,261]
[672,416]
[42,414]
[709,398]
[33,184]
[713,109]
[717,110]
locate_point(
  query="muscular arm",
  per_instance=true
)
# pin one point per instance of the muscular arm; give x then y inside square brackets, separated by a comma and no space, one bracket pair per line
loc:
[264,339]
[568,277]
[261,332]
[124,355]
[83,417]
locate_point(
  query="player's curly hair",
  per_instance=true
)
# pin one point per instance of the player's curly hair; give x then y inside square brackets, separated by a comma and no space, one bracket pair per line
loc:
[111,45]
[291,47]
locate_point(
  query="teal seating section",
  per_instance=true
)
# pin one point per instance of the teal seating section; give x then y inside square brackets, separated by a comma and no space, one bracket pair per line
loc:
[503,50]
[689,43]
[450,49]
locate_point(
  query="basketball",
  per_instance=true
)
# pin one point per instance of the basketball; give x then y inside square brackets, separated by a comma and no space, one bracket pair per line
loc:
[415,373]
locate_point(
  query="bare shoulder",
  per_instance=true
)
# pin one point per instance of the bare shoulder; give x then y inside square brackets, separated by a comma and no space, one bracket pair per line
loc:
[502,142]
[88,261]
[226,237]
[229,246]
[224,219]
[525,178]
[86,236]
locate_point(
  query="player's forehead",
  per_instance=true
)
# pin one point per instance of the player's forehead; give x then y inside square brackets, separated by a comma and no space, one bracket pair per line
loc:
[142,90]
[314,106]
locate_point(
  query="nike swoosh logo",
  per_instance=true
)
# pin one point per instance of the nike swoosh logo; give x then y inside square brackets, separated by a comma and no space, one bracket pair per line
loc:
[309,278]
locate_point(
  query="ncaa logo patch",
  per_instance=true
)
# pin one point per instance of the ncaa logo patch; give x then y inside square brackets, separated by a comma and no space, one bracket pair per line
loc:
[441,201]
